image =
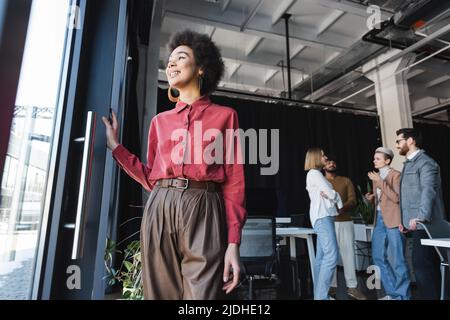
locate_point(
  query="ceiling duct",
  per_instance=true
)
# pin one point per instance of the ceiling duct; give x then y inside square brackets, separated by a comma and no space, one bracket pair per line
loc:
[399,31]
[419,13]
[396,33]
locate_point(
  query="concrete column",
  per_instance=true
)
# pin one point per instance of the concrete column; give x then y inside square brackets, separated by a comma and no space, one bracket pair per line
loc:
[392,96]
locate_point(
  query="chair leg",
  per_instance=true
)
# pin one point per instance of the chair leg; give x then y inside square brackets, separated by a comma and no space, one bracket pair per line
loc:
[294,276]
[250,288]
[442,281]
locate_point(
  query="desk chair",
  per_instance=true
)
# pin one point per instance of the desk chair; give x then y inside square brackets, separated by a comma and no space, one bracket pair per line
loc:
[258,249]
[434,231]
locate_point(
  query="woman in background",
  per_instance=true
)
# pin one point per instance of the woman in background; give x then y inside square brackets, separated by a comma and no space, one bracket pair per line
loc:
[386,233]
[324,206]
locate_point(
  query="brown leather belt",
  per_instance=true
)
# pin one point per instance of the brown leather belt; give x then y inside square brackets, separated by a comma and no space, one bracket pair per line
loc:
[183,183]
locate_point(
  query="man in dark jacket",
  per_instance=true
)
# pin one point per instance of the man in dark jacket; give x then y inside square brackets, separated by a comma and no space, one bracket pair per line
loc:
[420,201]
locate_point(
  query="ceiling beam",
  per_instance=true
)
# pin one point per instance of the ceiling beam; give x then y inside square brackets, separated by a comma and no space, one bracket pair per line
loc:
[333,86]
[266,68]
[281,9]
[369,93]
[435,68]
[329,21]
[423,104]
[414,73]
[250,15]
[264,60]
[296,51]
[211,31]
[260,78]
[298,78]
[235,67]
[253,45]
[269,75]
[260,26]
[418,89]
[349,7]
[247,87]
[241,86]
[358,102]
[251,64]
[225,5]
[305,35]
[331,57]
[437,81]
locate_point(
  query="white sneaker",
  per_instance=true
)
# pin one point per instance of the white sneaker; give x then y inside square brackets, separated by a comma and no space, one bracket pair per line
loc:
[386,297]
[331,298]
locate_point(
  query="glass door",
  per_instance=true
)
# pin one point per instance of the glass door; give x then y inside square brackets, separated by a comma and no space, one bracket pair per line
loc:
[59,178]
[26,169]
[80,201]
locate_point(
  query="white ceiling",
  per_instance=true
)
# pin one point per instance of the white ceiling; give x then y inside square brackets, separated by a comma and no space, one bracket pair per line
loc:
[251,36]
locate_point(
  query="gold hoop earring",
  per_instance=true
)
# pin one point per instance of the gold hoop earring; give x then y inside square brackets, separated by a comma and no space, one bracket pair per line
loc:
[173,94]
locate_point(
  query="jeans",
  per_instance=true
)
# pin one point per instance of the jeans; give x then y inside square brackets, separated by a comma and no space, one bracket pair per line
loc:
[326,257]
[395,273]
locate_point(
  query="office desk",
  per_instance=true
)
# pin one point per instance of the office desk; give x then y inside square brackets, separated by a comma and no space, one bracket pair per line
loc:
[441,242]
[304,233]
[438,242]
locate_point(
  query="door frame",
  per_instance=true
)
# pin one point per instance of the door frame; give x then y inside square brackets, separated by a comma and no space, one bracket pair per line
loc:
[77,81]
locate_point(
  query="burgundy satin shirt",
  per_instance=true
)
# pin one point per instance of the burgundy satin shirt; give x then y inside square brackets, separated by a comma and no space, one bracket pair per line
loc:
[174,139]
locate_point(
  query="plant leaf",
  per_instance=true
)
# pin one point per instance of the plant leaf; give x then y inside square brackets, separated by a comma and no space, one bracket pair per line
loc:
[128,265]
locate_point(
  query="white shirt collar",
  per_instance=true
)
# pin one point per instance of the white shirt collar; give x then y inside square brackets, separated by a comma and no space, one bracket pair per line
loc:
[384,172]
[412,155]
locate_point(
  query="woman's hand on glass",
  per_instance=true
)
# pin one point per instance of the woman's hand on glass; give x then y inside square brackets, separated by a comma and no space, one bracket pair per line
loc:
[112,128]
[232,268]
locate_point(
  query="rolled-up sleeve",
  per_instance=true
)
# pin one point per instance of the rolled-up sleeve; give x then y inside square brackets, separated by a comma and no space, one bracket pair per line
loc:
[233,188]
[323,185]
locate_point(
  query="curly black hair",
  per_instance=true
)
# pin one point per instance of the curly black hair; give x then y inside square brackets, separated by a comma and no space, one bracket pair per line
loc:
[207,56]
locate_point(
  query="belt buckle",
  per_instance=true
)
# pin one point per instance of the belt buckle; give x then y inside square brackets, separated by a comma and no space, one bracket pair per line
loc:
[186,186]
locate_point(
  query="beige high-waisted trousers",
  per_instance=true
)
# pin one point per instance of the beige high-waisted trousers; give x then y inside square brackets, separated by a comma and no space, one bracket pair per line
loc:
[183,243]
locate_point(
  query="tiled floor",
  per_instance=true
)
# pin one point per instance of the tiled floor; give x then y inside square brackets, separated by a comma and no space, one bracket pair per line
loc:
[15,281]
[280,289]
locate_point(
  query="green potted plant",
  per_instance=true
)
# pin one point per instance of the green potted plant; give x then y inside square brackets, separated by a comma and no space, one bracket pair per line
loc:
[364,210]
[128,275]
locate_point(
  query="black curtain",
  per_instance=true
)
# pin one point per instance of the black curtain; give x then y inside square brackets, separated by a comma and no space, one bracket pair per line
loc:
[435,139]
[351,138]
